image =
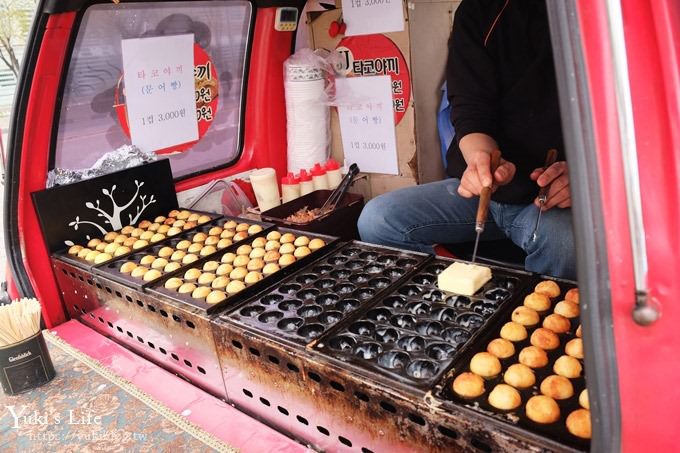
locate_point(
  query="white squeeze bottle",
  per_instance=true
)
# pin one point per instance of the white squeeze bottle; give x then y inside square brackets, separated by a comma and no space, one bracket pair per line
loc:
[290,187]
[306,183]
[333,173]
[265,187]
[319,177]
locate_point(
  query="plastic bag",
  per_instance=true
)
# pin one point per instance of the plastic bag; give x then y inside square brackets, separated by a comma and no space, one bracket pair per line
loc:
[308,88]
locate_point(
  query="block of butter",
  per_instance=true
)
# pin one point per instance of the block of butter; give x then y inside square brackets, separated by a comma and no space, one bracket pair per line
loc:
[465,279]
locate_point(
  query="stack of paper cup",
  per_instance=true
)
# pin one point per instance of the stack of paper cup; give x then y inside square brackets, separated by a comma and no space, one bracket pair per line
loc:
[307,116]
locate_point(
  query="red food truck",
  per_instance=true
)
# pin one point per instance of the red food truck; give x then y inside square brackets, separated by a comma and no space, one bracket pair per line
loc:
[238,371]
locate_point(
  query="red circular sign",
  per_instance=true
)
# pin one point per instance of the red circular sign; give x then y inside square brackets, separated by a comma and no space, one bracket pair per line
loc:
[206,91]
[378,55]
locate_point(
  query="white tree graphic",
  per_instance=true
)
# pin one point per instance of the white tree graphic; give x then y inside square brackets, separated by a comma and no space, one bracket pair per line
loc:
[113,218]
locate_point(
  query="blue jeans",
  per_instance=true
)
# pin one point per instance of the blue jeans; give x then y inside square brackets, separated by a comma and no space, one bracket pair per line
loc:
[416,218]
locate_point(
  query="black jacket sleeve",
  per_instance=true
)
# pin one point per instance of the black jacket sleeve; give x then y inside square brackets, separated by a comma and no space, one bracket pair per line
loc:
[472,75]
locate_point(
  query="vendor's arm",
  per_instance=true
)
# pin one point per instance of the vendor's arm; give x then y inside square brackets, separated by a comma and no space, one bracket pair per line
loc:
[474,96]
[557,175]
[476,148]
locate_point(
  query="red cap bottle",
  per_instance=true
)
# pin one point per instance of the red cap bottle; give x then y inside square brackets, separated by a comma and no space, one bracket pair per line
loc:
[332,164]
[304,176]
[290,187]
[306,184]
[319,177]
[333,173]
[318,170]
[290,179]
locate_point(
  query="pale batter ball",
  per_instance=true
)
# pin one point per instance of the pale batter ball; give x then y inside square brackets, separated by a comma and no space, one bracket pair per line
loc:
[504,397]
[549,288]
[568,367]
[102,258]
[210,266]
[206,278]
[557,323]
[519,376]
[485,364]
[567,309]
[557,387]
[537,301]
[201,292]
[578,423]
[147,260]
[545,339]
[152,274]
[542,409]
[301,241]
[215,297]
[195,247]
[572,296]
[583,399]
[316,244]
[186,288]
[468,385]
[173,283]
[235,286]
[574,348]
[220,282]
[189,258]
[159,263]
[139,271]
[513,331]
[501,348]
[525,316]
[533,357]
[171,267]
[255,265]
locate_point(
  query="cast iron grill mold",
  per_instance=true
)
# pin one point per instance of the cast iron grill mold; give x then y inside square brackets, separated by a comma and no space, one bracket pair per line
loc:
[412,334]
[111,269]
[335,392]
[82,263]
[555,431]
[176,338]
[158,289]
[321,295]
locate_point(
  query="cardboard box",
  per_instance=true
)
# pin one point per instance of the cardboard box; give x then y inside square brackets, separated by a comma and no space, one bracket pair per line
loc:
[428,25]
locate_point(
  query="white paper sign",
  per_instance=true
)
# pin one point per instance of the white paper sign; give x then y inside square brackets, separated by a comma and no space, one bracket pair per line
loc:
[367,123]
[159,91]
[366,17]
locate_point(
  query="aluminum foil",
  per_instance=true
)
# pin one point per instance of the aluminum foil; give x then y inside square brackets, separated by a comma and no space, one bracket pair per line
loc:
[124,157]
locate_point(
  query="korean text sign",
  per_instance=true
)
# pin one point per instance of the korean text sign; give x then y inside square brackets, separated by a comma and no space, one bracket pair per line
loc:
[159,91]
[367,123]
[366,17]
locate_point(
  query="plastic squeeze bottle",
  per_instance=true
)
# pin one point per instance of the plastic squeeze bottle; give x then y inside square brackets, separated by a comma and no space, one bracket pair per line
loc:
[333,173]
[265,187]
[290,187]
[306,183]
[319,177]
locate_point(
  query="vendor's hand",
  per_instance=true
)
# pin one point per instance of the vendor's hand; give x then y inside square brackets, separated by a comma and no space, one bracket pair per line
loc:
[477,175]
[557,175]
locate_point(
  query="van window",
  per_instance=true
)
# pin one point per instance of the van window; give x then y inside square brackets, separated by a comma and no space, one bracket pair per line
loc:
[92,119]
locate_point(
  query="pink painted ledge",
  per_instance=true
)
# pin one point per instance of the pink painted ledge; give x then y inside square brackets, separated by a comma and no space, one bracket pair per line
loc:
[212,414]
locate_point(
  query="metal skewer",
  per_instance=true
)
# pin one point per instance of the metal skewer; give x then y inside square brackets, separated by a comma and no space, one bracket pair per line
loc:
[484,200]
[543,192]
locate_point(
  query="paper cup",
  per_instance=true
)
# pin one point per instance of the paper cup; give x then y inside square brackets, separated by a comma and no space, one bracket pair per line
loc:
[25,365]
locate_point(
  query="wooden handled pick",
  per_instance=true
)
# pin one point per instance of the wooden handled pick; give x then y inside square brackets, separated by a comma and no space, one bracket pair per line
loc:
[485,195]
